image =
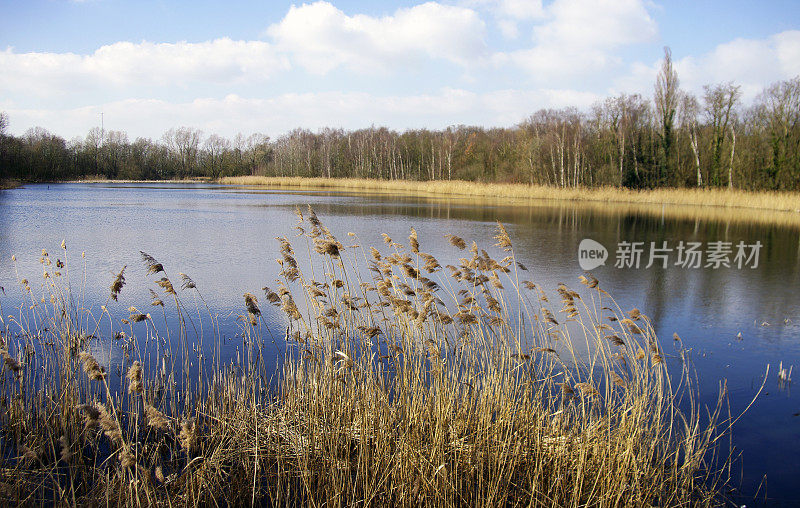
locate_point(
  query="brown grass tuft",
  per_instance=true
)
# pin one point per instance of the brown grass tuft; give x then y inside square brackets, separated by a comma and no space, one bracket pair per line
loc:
[116,286]
[456,241]
[156,418]
[188,435]
[91,367]
[135,378]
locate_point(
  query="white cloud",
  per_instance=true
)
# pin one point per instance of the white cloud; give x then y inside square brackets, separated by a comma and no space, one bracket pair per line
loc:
[127,64]
[321,37]
[508,28]
[570,49]
[554,65]
[579,38]
[518,10]
[750,63]
[600,24]
[509,13]
[277,115]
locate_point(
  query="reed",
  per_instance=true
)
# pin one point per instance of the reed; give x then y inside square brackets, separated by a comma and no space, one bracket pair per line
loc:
[672,202]
[402,383]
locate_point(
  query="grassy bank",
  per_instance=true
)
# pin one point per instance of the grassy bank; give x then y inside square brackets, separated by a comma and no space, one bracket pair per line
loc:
[402,383]
[722,203]
[9,184]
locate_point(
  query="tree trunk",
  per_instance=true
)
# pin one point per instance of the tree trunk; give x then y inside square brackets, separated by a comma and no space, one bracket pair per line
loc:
[693,136]
[621,157]
[730,165]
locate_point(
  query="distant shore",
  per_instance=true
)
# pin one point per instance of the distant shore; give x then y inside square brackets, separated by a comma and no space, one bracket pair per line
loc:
[715,204]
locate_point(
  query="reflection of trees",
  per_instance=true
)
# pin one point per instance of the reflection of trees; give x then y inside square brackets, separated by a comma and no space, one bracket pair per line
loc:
[550,235]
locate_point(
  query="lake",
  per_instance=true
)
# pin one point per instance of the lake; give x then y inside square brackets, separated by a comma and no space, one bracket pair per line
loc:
[734,319]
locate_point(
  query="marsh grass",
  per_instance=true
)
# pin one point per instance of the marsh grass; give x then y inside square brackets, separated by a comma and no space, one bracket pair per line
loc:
[402,383]
[683,203]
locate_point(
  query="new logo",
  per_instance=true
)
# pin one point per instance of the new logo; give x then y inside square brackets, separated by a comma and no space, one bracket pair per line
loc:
[591,254]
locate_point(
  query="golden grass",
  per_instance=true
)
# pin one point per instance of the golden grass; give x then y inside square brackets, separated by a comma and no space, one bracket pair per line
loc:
[715,204]
[402,383]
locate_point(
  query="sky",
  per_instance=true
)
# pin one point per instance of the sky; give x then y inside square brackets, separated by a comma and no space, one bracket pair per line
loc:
[233,67]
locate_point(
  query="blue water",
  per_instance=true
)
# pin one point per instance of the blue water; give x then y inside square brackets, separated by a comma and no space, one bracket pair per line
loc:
[224,239]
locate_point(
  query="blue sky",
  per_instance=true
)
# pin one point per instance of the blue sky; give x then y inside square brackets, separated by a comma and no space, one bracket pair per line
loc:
[273,66]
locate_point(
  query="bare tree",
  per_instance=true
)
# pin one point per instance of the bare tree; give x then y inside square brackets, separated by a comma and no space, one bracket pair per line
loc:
[215,147]
[94,139]
[778,109]
[184,142]
[720,102]
[451,138]
[114,152]
[256,150]
[689,109]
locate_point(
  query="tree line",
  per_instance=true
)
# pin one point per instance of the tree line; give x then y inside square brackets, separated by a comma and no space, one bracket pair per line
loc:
[675,139]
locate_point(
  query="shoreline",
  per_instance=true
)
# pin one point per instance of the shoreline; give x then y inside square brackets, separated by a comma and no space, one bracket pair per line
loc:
[9,184]
[755,200]
[778,208]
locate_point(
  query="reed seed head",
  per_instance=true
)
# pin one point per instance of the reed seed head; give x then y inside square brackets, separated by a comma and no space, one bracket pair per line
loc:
[188,434]
[251,302]
[135,378]
[64,448]
[188,283]
[109,425]
[167,285]
[119,281]
[91,416]
[126,458]
[456,241]
[10,362]
[156,300]
[91,367]
[156,418]
[413,241]
[153,266]
[328,247]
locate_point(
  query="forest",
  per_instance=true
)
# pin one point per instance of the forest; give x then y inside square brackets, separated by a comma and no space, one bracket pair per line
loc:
[674,139]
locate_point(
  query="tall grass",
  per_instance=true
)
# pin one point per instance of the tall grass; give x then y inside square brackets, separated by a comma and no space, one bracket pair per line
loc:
[402,383]
[678,202]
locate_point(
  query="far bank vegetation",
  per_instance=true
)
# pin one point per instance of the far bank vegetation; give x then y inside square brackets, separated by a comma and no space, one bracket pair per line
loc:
[675,139]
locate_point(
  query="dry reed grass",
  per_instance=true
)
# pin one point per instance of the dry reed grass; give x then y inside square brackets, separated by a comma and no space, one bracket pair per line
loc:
[402,384]
[688,203]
